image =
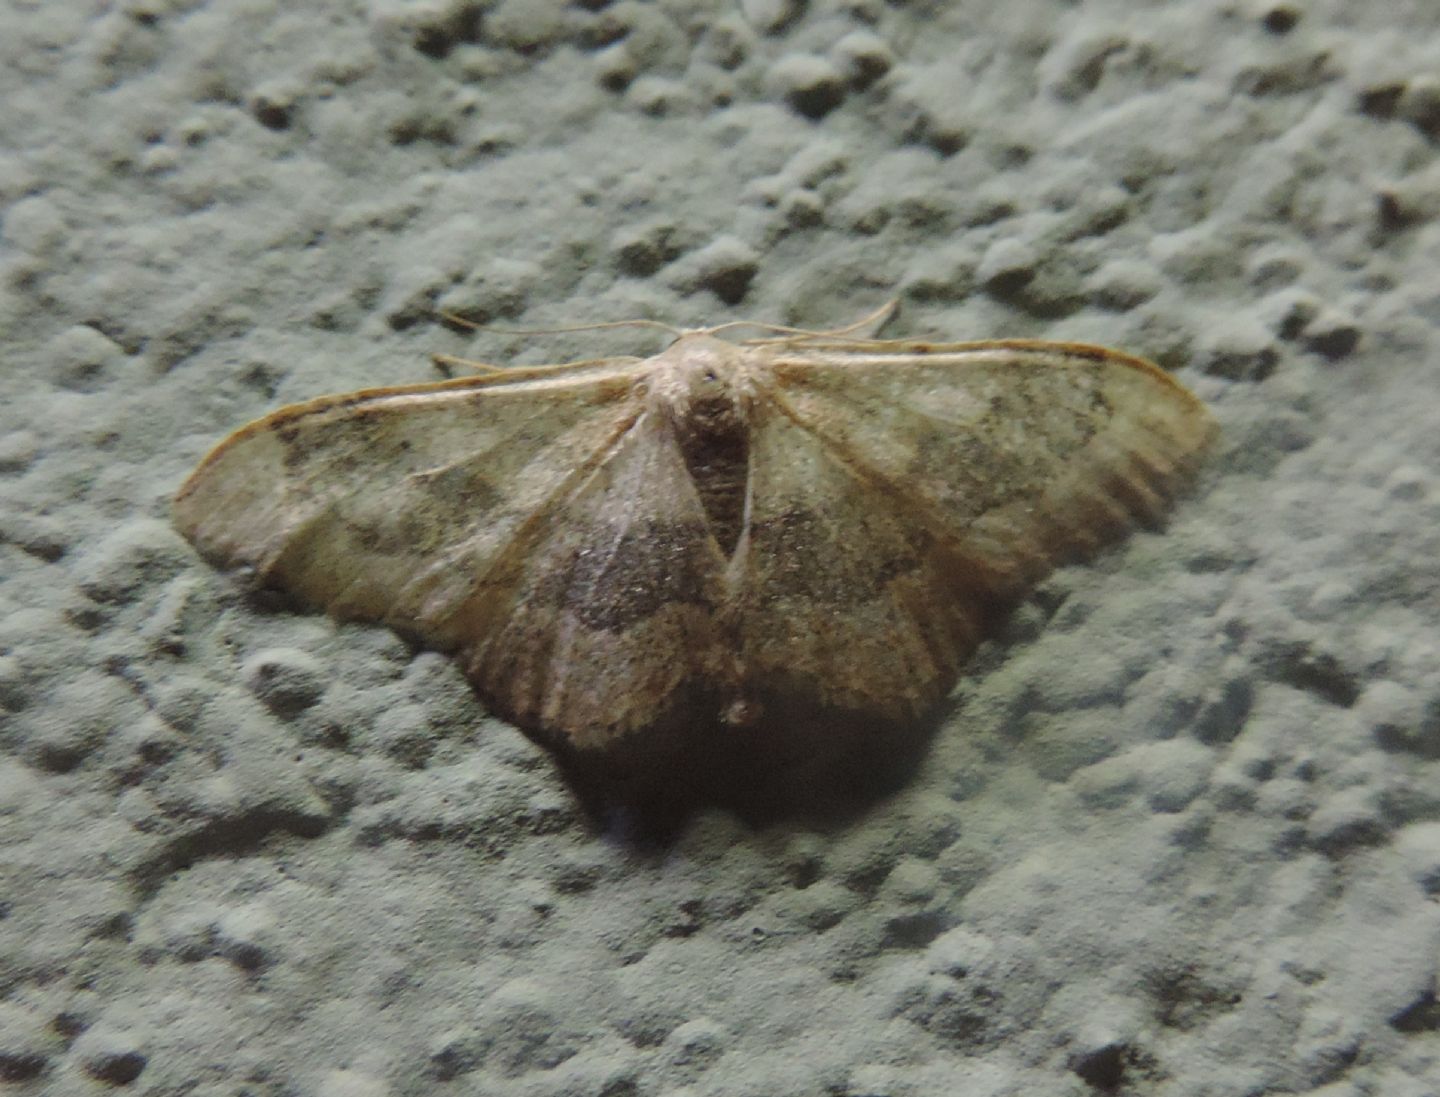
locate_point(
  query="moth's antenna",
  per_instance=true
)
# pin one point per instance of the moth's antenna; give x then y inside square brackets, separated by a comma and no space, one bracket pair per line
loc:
[460,321]
[873,319]
[783,332]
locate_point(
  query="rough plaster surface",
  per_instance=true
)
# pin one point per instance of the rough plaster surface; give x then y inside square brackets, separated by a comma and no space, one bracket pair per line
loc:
[1180,831]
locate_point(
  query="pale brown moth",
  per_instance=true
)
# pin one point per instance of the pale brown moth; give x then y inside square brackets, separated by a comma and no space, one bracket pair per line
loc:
[612,545]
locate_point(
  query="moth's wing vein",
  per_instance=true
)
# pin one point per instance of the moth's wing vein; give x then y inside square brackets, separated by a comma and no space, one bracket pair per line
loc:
[326,498]
[605,619]
[1022,452]
[930,490]
[844,599]
[565,479]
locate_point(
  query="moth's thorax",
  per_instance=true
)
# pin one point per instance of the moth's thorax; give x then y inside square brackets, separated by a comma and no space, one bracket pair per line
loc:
[704,388]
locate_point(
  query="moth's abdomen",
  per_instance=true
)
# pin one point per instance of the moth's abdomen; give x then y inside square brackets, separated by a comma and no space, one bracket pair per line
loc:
[703,389]
[714,439]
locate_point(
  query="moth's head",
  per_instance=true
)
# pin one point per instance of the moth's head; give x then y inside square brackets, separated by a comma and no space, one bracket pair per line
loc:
[698,372]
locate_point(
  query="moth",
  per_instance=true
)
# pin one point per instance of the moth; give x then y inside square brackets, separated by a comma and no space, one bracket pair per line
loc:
[622,544]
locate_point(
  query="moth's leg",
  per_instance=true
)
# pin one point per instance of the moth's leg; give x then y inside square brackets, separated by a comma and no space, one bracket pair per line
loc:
[872,320]
[804,336]
[447,362]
